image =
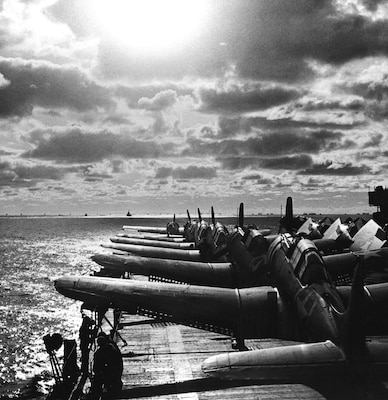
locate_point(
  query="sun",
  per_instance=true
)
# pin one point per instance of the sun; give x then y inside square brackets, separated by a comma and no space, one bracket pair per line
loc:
[151,26]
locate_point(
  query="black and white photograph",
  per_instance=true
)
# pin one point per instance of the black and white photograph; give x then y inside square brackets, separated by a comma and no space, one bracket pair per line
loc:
[193,199]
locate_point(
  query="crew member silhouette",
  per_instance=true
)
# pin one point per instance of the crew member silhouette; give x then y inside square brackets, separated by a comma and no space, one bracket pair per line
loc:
[107,368]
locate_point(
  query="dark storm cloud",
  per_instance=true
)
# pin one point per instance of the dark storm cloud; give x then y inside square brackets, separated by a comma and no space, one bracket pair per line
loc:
[286,162]
[289,123]
[231,126]
[39,83]
[327,168]
[280,35]
[28,175]
[329,104]
[190,172]
[76,146]
[244,98]
[40,172]
[271,144]
[279,143]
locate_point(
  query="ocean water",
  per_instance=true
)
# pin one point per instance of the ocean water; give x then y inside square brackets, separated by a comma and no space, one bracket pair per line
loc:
[33,252]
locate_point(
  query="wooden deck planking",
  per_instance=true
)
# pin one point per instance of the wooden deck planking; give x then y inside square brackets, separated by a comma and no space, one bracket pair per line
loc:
[163,360]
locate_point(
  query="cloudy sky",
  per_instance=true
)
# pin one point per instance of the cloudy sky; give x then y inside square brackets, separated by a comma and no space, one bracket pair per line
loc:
[162,105]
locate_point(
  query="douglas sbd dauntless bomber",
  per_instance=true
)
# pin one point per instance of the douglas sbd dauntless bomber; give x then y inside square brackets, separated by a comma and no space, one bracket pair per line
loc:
[238,259]
[252,284]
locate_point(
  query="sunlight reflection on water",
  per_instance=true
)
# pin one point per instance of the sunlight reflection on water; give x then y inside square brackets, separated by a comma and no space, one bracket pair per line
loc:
[33,252]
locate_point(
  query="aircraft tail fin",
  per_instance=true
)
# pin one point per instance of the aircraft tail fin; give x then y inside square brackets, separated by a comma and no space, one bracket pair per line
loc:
[353,328]
[241,215]
[289,217]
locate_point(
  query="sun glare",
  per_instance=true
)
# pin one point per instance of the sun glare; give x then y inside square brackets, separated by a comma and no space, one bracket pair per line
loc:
[151,25]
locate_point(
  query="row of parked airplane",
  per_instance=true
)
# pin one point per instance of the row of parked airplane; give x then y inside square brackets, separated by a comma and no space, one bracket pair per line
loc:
[304,285]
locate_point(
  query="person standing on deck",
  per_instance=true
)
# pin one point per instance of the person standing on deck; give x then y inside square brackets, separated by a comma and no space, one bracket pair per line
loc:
[86,336]
[107,368]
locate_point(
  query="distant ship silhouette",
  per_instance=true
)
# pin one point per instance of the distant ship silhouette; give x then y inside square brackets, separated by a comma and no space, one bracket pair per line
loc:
[129,214]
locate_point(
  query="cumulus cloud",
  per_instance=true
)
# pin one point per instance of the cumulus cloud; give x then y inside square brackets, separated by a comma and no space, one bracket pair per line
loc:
[159,102]
[261,95]
[163,89]
[75,146]
[41,83]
